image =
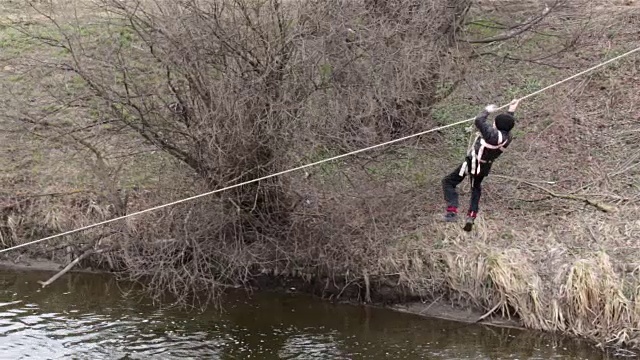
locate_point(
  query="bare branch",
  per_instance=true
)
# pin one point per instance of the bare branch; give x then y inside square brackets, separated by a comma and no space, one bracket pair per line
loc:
[597,205]
[517,30]
[68,267]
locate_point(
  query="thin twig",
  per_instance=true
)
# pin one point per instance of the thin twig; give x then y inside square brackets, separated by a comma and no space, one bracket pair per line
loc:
[597,205]
[515,32]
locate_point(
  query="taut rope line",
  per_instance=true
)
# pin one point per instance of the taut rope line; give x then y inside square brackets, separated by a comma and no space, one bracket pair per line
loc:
[307,165]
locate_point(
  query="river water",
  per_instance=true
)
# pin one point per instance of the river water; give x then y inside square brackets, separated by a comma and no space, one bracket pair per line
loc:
[86,316]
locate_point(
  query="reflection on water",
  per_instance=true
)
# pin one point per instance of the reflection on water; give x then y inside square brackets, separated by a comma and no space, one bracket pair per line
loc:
[85,316]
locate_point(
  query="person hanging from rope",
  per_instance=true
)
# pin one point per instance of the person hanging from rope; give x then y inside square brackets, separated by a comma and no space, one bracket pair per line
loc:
[489,144]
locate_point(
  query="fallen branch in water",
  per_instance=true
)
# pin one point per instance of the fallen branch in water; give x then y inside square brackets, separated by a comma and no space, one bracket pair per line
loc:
[68,267]
[489,312]
[597,205]
[367,284]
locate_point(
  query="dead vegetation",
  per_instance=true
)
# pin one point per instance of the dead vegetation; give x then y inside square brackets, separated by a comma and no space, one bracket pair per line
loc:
[145,105]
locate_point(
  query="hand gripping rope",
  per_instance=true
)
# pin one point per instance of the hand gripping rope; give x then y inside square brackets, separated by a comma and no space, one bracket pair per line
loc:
[307,165]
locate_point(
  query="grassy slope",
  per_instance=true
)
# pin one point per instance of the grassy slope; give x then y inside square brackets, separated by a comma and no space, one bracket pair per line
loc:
[538,256]
[579,137]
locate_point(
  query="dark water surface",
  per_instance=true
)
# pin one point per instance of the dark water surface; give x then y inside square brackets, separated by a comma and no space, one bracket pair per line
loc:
[85,316]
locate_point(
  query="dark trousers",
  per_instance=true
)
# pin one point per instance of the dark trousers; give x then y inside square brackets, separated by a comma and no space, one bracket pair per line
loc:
[451,181]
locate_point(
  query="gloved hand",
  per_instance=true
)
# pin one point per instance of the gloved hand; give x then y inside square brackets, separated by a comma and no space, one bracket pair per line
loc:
[491,108]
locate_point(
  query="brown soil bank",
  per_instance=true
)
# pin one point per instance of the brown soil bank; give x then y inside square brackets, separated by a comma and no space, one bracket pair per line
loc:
[88,102]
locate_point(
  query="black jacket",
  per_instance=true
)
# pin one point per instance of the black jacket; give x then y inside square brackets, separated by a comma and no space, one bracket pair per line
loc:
[490,136]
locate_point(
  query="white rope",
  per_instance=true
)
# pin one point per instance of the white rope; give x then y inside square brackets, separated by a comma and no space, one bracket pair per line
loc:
[304,166]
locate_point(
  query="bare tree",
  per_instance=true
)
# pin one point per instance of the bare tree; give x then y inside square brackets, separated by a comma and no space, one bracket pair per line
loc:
[235,90]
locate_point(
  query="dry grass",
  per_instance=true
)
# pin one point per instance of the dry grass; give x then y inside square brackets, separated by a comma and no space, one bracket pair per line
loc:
[586,297]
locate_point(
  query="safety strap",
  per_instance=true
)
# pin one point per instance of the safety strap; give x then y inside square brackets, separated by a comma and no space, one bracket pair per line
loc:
[476,158]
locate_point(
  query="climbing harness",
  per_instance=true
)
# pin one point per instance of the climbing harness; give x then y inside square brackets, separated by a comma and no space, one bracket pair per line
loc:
[476,157]
[307,165]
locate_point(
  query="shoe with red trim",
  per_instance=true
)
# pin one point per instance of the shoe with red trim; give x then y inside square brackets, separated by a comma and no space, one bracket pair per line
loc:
[451,215]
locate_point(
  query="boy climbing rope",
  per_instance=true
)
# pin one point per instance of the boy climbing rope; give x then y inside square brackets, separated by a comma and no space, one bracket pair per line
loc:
[487,147]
